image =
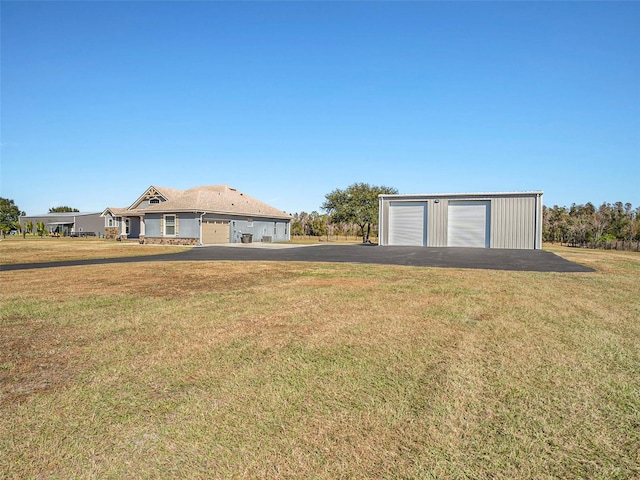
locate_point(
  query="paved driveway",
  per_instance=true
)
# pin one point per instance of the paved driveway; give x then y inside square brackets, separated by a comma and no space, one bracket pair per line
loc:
[484,258]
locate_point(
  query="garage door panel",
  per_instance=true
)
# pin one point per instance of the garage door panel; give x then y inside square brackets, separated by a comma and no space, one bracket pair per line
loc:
[468,224]
[215,232]
[407,222]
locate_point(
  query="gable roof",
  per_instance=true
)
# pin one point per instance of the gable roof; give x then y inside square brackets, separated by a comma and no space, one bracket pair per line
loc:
[156,192]
[206,199]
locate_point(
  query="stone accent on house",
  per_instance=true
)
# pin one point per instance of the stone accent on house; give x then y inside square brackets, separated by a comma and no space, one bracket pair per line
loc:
[111,233]
[170,241]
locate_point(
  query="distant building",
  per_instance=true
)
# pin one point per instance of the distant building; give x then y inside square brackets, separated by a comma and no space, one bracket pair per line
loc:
[68,223]
[198,216]
[482,220]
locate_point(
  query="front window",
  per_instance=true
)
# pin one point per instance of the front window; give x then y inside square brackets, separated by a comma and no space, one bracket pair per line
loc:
[169,224]
[127,225]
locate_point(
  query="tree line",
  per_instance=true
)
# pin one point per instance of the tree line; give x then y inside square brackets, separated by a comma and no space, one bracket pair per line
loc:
[317,224]
[349,211]
[587,225]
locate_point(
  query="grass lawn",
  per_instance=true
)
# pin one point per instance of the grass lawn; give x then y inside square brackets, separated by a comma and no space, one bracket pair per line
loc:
[49,249]
[296,370]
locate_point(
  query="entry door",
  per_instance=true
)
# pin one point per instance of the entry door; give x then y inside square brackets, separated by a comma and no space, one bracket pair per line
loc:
[408,223]
[215,231]
[468,224]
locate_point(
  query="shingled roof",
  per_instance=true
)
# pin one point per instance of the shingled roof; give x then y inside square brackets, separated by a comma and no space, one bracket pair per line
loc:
[209,199]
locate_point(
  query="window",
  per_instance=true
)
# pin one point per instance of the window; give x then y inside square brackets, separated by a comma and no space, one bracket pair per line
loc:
[249,222]
[275,228]
[169,225]
[127,226]
[154,201]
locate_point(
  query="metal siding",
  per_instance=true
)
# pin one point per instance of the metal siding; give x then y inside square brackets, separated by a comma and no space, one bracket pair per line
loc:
[437,221]
[469,224]
[515,218]
[514,224]
[90,223]
[407,223]
[383,222]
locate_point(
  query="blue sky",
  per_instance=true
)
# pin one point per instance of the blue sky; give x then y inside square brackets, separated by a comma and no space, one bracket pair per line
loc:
[287,101]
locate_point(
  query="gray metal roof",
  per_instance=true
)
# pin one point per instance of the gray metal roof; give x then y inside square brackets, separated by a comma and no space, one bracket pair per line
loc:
[61,214]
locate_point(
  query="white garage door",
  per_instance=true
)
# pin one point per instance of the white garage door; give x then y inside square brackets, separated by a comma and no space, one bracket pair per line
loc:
[407,223]
[468,224]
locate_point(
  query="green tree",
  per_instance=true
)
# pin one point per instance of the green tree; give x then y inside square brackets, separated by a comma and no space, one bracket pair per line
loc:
[9,215]
[556,221]
[41,229]
[317,225]
[358,204]
[299,223]
[27,228]
[63,209]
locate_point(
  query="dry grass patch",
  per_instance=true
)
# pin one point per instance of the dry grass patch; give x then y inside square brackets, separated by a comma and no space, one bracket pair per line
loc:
[49,249]
[292,370]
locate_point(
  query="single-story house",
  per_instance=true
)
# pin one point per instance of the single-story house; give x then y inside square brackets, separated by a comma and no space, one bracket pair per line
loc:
[68,223]
[484,220]
[198,216]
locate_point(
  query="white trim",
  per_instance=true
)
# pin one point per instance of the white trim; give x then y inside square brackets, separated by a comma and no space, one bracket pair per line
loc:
[469,196]
[164,226]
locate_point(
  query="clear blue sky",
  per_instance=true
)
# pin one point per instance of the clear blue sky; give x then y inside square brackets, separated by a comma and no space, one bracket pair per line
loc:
[287,101]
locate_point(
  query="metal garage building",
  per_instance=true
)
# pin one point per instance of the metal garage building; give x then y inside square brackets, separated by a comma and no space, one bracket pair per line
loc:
[482,220]
[68,223]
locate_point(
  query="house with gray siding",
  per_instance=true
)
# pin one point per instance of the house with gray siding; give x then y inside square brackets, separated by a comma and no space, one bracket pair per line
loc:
[199,216]
[483,220]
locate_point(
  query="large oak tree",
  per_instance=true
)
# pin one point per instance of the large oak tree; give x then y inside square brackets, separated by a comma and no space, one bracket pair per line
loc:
[9,215]
[358,203]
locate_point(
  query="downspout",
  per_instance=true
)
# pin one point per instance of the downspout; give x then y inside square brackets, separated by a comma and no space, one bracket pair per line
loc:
[200,239]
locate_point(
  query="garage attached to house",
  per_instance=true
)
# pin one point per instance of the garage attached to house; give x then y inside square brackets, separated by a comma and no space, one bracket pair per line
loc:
[206,215]
[215,231]
[477,220]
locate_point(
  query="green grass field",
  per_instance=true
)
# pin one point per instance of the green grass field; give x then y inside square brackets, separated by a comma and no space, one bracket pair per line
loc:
[294,370]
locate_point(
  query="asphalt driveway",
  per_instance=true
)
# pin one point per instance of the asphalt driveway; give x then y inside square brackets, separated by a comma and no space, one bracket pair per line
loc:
[483,258]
